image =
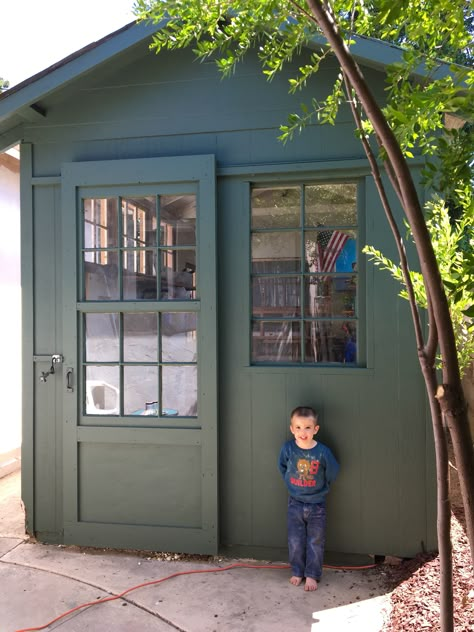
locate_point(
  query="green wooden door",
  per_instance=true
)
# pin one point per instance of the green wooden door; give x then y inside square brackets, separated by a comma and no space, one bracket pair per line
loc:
[139,328]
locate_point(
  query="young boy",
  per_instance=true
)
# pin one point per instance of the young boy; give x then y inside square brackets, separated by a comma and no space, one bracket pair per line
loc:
[308,469]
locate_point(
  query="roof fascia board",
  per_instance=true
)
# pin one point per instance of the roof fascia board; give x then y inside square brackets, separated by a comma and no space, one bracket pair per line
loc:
[379,54]
[78,66]
[11,137]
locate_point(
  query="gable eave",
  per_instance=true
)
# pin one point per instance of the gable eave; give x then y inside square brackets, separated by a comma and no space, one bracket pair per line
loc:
[19,102]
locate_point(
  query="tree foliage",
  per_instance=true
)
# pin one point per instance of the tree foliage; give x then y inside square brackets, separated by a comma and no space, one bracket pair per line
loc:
[421,88]
[4,84]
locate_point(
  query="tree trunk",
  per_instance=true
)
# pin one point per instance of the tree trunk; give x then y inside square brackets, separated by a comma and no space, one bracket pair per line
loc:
[443,504]
[451,399]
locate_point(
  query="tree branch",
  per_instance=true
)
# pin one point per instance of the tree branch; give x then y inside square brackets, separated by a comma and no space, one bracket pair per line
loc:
[420,343]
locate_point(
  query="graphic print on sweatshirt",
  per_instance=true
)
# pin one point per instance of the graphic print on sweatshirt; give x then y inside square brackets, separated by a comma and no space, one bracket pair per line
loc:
[306,472]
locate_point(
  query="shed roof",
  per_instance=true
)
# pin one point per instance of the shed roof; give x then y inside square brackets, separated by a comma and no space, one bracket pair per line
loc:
[21,103]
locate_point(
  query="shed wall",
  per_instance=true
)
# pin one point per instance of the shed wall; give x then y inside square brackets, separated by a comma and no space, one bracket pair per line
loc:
[373,417]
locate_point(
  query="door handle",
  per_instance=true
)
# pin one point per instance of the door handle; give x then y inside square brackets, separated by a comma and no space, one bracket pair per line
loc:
[69,380]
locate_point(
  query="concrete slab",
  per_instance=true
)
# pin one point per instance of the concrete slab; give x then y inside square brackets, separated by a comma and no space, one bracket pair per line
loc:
[31,598]
[8,544]
[238,600]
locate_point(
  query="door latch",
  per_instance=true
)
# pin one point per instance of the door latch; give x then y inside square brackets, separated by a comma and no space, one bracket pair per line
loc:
[56,358]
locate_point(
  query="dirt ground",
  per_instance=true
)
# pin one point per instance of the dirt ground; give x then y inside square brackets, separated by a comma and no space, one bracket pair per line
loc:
[415,583]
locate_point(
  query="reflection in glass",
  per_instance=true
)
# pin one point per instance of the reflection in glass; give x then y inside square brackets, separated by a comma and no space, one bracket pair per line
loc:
[277,252]
[179,390]
[331,204]
[330,296]
[140,337]
[102,337]
[100,226]
[276,341]
[330,341]
[178,220]
[139,223]
[276,296]
[138,284]
[102,390]
[178,340]
[140,387]
[178,274]
[324,248]
[101,280]
[276,207]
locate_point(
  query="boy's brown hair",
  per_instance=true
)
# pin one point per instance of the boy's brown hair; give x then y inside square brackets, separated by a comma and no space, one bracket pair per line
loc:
[305,411]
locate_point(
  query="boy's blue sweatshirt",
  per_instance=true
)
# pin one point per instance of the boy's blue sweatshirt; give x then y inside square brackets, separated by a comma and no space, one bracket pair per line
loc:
[309,473]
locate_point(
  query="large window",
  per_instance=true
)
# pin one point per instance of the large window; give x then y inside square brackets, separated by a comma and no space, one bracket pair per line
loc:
[139,249]
[304,274]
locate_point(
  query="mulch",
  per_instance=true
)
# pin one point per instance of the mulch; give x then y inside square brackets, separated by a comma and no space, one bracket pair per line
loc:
[415,587]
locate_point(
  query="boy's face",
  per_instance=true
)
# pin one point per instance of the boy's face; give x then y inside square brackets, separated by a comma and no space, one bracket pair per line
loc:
[304,429]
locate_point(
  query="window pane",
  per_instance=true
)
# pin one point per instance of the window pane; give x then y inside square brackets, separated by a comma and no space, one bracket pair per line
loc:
[140,338]
[178,220]
[179,389]
[330,296]
[139,275]
[100,223]
[276,341]
[276,252]
[139,222]
[102,337]
[330,250]
[101,280]
[178,274]
[276,296]
[140,387]
[178,340]
[102,390]
[331,205]
[330,341]
[276,207]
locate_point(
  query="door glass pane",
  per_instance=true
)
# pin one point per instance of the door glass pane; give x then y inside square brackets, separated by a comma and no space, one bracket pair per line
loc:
[178,274]
[102,337]
[101,276]
[139,222]
[140,387]
[139,275]
[140,338]
[276,207]
[102,394]
[330,250]
[330,341]
[276,296]
[178,220]
[276,341]
[100,223]
[331,204]
[179,389]
[330,296]
[178,337]
[276,252]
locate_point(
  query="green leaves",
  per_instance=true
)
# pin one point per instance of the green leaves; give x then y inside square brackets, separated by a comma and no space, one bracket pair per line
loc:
[453,243]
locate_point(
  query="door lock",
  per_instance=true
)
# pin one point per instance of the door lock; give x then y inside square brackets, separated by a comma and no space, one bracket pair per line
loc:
[56,358]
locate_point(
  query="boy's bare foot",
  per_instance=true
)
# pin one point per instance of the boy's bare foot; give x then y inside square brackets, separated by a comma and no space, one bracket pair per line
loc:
[296,581]
[311,584]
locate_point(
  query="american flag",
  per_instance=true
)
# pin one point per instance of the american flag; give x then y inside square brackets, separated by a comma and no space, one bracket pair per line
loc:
[329,245]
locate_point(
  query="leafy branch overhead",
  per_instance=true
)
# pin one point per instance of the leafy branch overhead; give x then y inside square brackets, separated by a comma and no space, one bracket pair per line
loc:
[454,246]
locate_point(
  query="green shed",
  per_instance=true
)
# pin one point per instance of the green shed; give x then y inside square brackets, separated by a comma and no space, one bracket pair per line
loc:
[187,281]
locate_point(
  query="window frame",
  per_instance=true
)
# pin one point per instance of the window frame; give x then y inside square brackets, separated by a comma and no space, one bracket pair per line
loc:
[292,180]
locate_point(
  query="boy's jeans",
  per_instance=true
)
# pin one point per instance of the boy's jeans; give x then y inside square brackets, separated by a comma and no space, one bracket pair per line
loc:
[306,537]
